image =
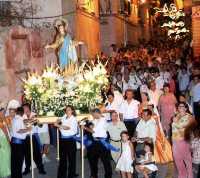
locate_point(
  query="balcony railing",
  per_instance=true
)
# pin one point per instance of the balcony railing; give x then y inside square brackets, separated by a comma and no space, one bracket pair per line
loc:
[111,7]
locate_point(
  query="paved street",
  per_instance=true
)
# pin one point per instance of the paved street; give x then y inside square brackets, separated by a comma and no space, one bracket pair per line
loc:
[51,168]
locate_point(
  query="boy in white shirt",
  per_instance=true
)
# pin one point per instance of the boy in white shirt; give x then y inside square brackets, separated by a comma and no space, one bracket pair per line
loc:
[37,156]
[97,149]
[19,132]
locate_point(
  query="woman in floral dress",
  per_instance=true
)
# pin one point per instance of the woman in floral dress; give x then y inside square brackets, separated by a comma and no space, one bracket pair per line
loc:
[181,148]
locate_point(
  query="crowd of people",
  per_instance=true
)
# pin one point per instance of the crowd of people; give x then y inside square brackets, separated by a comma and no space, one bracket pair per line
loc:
[150,117]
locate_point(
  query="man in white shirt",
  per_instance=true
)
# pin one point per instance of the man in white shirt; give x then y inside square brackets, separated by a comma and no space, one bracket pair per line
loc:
[183,80]
[129,112]
[134,82]
[146,128]
[195,92]
[37,156]
[145,132]
[154,93]
[121,84]
[97,149]
[126,83]
[165,76]
[114,129]
[159,80]
[110,106]
[19,132]
[118,97]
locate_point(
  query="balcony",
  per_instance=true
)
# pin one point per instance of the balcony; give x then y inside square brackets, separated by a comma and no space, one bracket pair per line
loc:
[114,7]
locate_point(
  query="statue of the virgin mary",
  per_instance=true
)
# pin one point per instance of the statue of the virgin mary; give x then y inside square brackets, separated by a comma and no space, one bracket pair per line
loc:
[66,46]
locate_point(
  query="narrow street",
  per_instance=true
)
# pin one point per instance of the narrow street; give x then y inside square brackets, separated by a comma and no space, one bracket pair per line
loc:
[51,168]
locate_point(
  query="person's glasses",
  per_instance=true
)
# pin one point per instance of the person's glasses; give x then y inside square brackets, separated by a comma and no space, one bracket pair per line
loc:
[181,106]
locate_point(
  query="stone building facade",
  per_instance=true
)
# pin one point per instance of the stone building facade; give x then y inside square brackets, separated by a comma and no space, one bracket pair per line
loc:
[97,23]
[123,22]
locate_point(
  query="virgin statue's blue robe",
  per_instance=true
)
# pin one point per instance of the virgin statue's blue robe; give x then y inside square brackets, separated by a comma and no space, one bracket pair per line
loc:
[67,52]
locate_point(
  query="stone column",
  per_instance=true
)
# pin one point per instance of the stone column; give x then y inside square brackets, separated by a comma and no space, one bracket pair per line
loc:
[87,28]
[196,27]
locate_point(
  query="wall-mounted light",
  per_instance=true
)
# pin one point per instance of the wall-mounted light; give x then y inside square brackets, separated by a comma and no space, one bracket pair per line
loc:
[142,1]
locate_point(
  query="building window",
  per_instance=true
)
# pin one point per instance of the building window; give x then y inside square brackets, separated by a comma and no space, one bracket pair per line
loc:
[4,8]
[125,7]
[5,13]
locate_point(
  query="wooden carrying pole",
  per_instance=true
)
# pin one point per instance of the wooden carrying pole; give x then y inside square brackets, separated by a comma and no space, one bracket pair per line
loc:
[82,153]
[58,146]
[31,143]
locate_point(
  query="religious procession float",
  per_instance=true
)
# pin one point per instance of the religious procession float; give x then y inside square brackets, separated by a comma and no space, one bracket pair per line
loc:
[52,90]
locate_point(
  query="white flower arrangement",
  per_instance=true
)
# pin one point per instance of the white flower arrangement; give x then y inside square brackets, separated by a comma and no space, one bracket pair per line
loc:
[52,91]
